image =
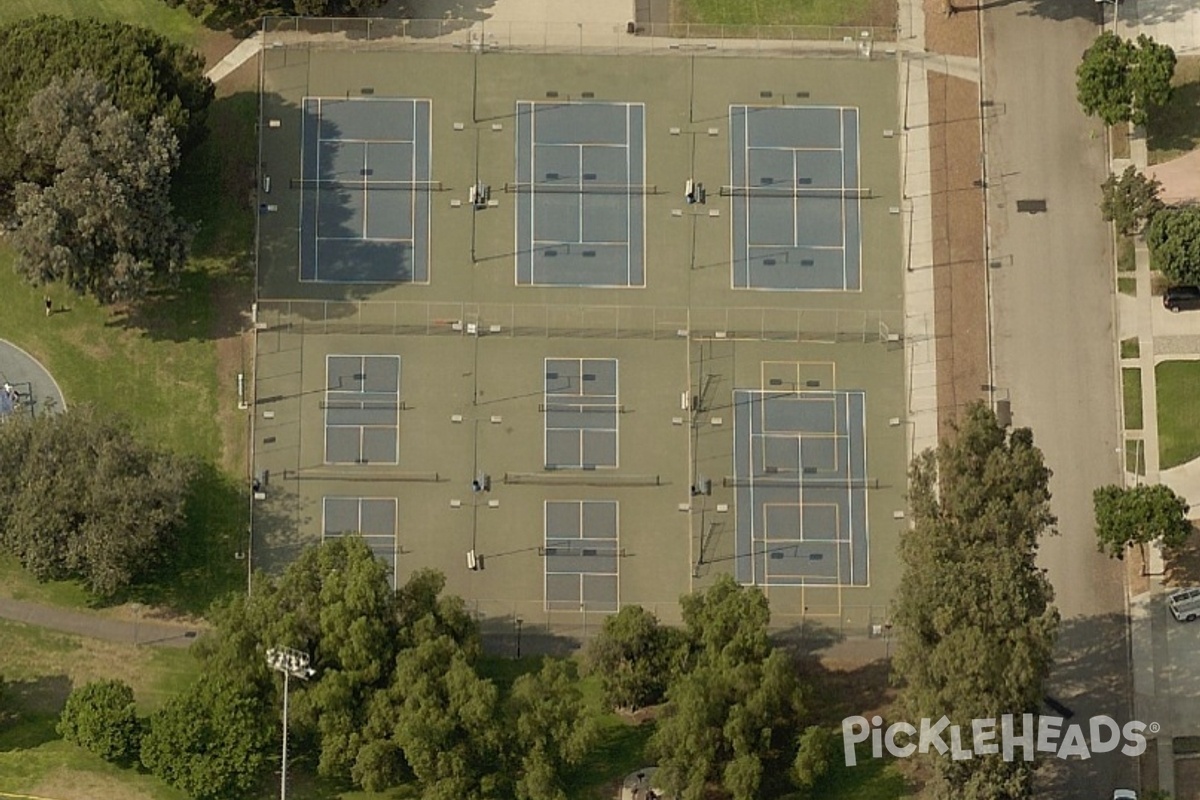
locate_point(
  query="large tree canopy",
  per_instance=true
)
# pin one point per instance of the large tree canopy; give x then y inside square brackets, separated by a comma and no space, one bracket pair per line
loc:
[1137,515]
[1130,201]
[974,613]
[80,497]
[1120,81]
[246,10]
[733,710]
[101,717]
[634,657]
[146,75]
[102,220]
[1174,240]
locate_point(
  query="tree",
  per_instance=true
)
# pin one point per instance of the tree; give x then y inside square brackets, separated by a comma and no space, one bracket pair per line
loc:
[1130,201]
[1120,81]
[974,614]
[447,722]
[1174,240]
[103,222]
[816,755]
[1137,515]
[335,603]
[81,497]
[551,729]
[245,10]
[1150,76]
[632,656]
[732,711]
[212,740]
[101,717]
[145,74]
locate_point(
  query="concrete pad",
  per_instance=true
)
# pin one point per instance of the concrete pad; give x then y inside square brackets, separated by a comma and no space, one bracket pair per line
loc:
[1180,178]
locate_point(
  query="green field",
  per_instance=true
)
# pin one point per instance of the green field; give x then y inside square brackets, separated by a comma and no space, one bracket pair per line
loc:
[40,669]
[1131,387]
[1178,412]
[878,13]
[174,23]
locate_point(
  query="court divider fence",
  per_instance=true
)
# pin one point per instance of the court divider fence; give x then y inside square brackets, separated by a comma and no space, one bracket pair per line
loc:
[412,318]
[551,37]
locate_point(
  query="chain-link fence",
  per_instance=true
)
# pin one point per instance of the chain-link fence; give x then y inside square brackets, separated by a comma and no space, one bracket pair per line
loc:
[407,318]
[556,632]
[554,37]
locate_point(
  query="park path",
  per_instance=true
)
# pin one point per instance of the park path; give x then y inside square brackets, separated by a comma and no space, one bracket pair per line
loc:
[84,623]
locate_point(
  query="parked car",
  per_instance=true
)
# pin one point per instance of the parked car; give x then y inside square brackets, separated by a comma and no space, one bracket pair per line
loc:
[1124,794]
[1179,298]
[1184,604]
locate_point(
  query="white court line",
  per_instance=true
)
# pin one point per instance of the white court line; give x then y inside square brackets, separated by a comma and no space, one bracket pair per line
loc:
[363,239]
[552,242]
[412,206]
[629,196]
[845,259]
[366,141]
[793,148]
[366,148]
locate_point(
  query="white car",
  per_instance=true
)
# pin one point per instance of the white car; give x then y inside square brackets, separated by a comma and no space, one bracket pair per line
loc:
[1124,794]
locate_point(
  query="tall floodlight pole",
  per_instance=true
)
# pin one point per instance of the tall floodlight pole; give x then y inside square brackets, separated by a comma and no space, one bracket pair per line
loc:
[293,664]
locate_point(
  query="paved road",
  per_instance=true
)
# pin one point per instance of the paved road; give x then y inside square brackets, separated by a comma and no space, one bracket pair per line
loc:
[1053,329]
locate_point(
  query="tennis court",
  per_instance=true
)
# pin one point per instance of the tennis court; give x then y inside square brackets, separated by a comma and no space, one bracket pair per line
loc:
[365,187]
[801,487]
[581,410]
[795,197]
[362,409]
[580,175]
[374,518]
[581,555]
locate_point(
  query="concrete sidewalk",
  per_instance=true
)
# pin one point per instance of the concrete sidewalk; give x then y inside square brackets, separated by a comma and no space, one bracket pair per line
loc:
[82,623]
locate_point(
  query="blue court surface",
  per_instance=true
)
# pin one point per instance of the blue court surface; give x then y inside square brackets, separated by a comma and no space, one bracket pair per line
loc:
[374,518]
[801,488]
[796,198]
[580,192]
[581,555]
[365,183]
[362,409]
[581,410]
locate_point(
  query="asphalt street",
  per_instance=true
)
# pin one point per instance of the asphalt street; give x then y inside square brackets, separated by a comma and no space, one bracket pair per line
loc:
[1053,312]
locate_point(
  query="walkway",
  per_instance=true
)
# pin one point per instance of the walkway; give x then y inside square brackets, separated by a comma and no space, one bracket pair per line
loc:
[85,623]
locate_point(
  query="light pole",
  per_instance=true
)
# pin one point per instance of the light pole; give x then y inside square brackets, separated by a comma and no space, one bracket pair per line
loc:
[292,663]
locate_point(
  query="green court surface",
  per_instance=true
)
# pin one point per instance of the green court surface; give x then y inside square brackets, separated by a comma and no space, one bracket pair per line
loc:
[497,337]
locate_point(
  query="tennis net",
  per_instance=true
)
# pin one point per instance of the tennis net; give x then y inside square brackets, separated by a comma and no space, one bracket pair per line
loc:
[797,482]
[581,188]
[361,186]
[845,193]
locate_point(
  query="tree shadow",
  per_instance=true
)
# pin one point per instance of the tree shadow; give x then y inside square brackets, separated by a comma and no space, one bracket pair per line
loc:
[1183,563]
[30,711]
[204,566]
[1090,678]
[1176,126]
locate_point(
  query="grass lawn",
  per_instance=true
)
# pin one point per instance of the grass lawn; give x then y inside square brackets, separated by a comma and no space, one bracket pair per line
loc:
[879,13]
[1127,286]
[1175,129]
[1130,348]
[1135,457]
[40,669]
[170,365]
[1126,258]
[1178,412]
[1131,387]
[174,23]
